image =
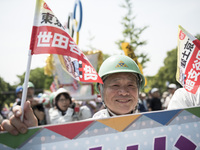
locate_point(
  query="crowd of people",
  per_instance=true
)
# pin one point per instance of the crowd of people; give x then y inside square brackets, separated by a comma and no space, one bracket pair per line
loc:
[120,95]
[52,107]
[60,107]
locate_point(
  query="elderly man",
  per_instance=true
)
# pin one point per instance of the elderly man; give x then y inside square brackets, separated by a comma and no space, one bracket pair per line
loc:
[122,81]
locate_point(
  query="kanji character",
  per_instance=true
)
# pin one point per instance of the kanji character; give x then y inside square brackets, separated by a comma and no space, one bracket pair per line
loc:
[89,73]
[189,84]
[183,62]
[44,39]
[198,55]
[60,41]
[47,18]
[192,74]
[196,65]
[58,23]
[186,54]
[74,48]
[189,46]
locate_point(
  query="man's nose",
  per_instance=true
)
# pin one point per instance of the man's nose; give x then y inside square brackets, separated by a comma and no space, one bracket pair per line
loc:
[123,91]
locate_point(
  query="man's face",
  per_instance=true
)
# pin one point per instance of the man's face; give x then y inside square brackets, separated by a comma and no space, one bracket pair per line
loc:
[121,93]
[156,94]
[30,95]
[19,95]
[171,90]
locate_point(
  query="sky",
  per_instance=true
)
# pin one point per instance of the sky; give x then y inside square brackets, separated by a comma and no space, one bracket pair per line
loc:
[101,20]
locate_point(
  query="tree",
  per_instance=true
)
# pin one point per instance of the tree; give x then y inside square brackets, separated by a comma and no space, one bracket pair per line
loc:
[131,33]
[38,78]
[167,73]
[7,94]
[198,36]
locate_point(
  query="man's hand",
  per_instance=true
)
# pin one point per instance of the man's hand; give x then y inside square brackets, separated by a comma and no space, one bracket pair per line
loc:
[14,125]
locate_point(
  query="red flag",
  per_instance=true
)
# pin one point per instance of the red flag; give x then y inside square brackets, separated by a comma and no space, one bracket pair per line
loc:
[50,37]
[188,64]
[53,87]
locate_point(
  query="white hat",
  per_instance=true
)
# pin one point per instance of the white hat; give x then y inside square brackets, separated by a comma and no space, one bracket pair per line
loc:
[59,91]
[143,94]
[172,86]
[154,90]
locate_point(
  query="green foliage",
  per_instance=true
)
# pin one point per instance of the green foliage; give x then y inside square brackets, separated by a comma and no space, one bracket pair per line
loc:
[7,93]
[39,79]
[167,73]
[198,36]
[132,34]
[104,57]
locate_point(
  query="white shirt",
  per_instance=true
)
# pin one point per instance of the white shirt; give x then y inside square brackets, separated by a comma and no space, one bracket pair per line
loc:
[57,117]
[167,100]
[183,99]
[84,113]
[101,114]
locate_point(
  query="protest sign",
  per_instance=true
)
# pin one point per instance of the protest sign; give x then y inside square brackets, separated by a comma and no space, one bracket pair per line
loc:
[163,130]
[78,90]
[188,61]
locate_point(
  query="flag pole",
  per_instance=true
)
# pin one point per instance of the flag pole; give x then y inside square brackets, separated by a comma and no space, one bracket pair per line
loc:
[25,85]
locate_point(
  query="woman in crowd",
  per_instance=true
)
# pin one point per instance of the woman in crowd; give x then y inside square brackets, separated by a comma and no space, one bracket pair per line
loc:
[64,109]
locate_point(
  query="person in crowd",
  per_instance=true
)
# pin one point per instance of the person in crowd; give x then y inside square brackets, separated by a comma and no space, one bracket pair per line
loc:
[45,100]
[92,105]
[120,92]
[155,103]
[51,99]
[163,98]
[62,112]
[98,101]
[1,118]
[171,88]
[18,93]
[84,112]
[37,107]
[142,104]
[5,111]
[183,99]
[148,99]
[64,109]
[14,125]
[122,82]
